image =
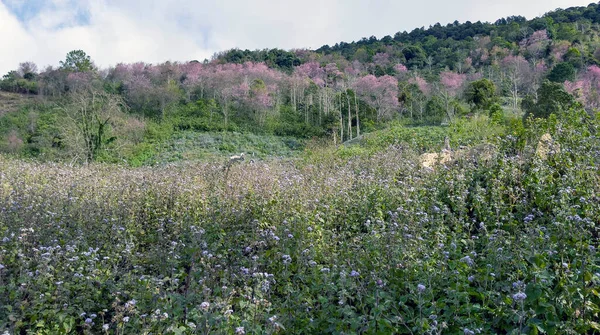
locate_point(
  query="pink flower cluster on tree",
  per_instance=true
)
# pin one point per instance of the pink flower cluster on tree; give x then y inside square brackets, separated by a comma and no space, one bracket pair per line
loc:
[587,88]
[380,93]
[382,59]
[574,88]
[516,69]
[313,71]
[452,82]
[421,84]
[194,74]
[536,44]
[80,80]
[400,68]
[333,74]
[559,49]
[514,64]
[252,85]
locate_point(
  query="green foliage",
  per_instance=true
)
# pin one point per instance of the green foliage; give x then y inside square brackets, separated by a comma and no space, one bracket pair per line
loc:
[421,139]
[275,58]
[31,131]
[435,111]
[176,99]
[481,94]
[475,130]
[552,98]
[77,61]
[352,151]
[562,72]
[496,113]
[190,146]
[415,56]
[460,132]
[574,57]
[448,45]
[291,123]
[12,82]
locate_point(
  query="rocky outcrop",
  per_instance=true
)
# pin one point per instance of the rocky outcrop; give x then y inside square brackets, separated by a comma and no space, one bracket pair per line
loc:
[483,153]
[429,160]
[547,146]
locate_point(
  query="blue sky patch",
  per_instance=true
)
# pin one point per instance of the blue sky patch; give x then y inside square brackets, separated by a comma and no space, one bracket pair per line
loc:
[25,10]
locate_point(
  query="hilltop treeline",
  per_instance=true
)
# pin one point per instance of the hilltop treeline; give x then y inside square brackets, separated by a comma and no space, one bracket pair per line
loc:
[427,76]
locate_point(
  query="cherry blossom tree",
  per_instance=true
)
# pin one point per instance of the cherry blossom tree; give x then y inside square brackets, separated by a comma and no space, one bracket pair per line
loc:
[352,75]
[421,84]
[401,72]
[382,59]
[452,84]
[587,88]
[559,49]
[516,69]
[380,93]
[194,79]
[536,44]
[77,81]
[419,96]
[251,86]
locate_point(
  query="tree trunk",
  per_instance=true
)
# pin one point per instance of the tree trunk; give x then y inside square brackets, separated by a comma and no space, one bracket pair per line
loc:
[225,114]
[341,119]
[357,120]
[320,108]
[349,116]
[335,137]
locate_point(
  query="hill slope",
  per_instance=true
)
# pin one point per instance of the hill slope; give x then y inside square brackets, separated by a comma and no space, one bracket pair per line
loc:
[508,69]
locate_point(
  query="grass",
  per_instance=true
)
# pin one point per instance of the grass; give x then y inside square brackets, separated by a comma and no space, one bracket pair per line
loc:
[198,146]
[12,102]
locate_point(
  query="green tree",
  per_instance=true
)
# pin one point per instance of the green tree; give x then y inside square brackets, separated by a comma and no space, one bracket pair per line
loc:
[562,72]
[574,57]
[77,61]
[415,56]
[89,116]
[481,94]
[552,98]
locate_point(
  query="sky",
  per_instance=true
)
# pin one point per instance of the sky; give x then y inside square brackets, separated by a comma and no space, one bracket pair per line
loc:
[114,31]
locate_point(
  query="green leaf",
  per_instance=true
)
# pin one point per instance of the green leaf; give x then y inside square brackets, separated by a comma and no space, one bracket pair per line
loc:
[533,292]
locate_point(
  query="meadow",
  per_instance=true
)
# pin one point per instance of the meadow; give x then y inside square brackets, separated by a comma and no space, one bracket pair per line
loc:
[502,239]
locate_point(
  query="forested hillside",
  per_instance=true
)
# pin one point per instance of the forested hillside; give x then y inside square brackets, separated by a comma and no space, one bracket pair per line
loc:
[506,69]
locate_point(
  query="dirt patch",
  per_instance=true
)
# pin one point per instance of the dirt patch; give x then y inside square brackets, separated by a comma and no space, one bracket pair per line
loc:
[11,102]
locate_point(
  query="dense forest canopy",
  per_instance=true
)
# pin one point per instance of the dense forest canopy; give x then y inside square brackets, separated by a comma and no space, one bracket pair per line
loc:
[426,76]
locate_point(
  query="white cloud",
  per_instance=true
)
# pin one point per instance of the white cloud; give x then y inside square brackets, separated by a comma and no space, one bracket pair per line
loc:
[115,31]
[15,41]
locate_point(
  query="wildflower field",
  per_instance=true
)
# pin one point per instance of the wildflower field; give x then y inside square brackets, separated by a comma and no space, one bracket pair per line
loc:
[501,240]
